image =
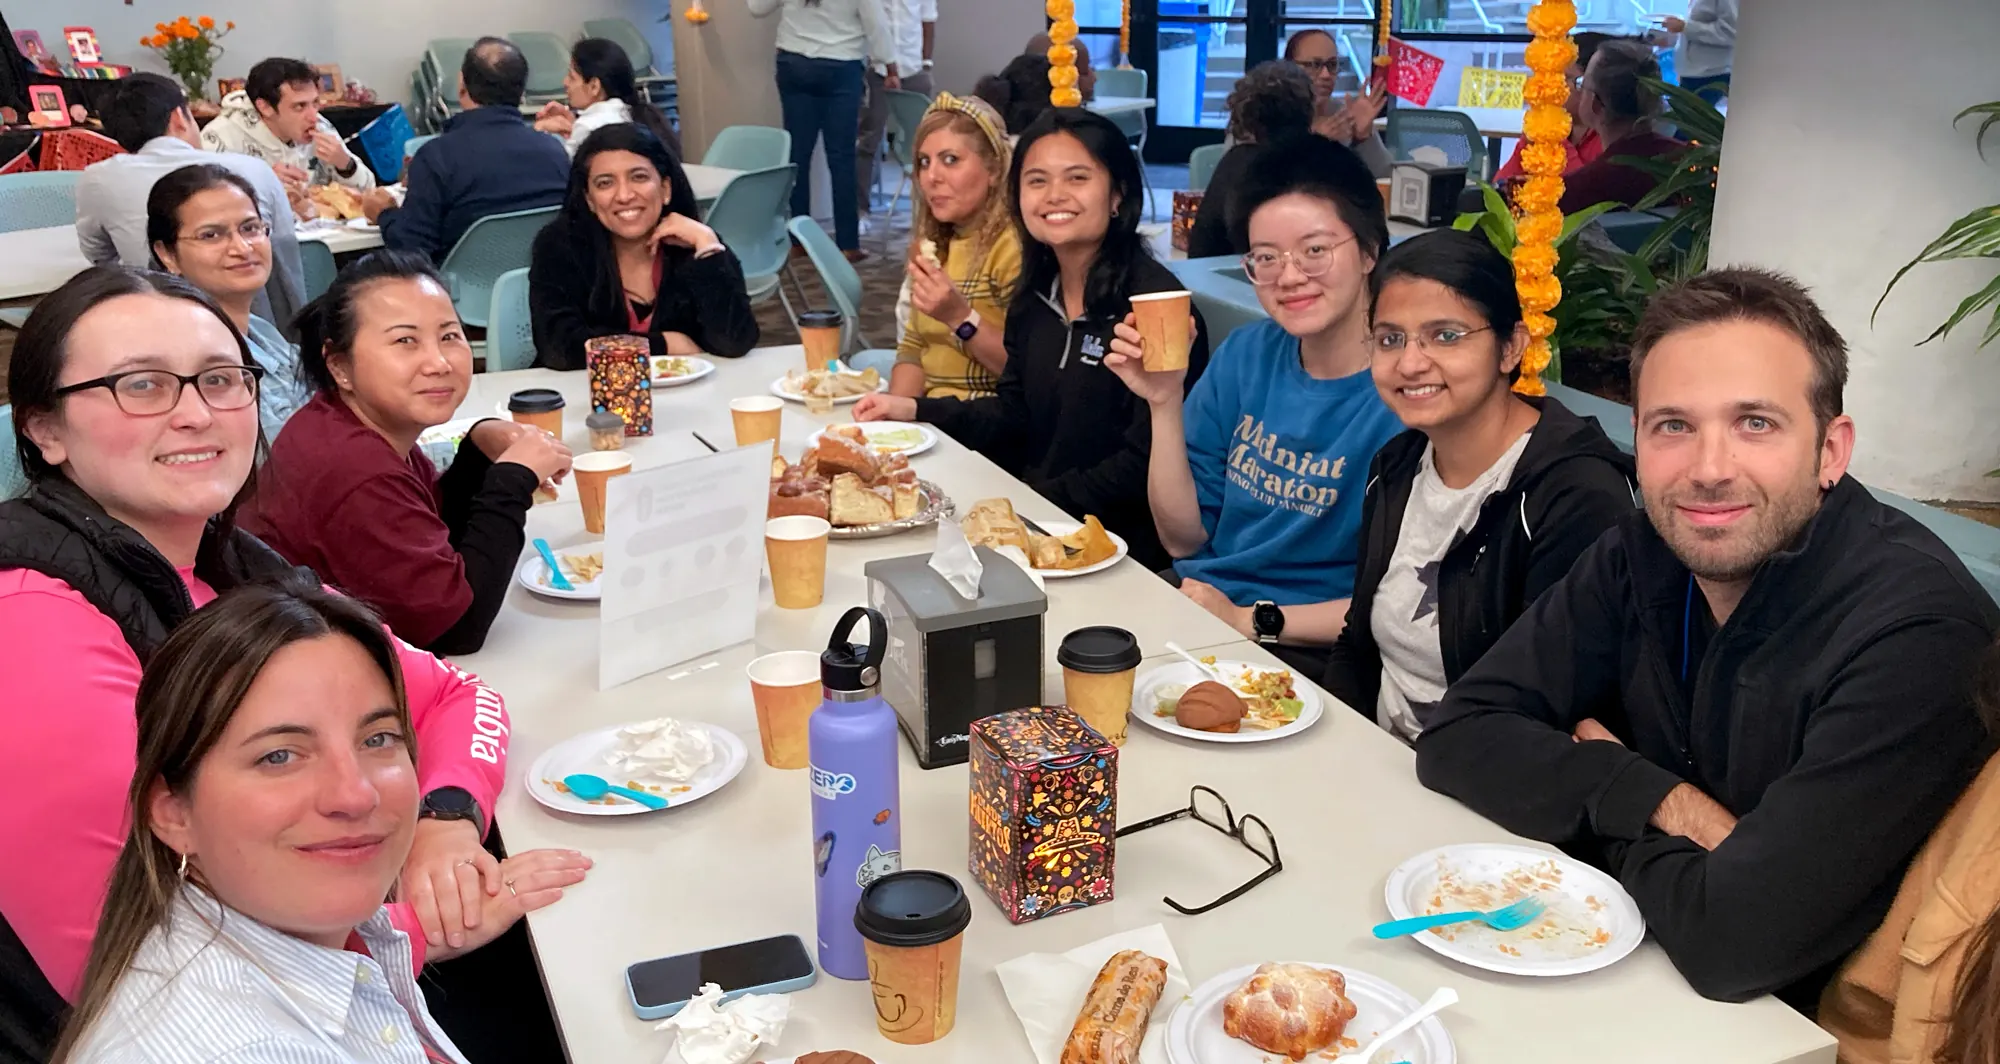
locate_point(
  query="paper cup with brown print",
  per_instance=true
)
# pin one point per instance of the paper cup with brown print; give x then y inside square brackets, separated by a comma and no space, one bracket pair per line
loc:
[1166,329]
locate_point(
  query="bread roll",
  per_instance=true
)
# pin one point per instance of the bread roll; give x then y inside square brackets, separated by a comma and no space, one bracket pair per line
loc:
[1292,1009]
[1209,706]
[1116,1011]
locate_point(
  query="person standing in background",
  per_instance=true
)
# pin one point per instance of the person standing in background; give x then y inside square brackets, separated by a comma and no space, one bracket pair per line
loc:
[824,49]
[1706,48]
[913,26]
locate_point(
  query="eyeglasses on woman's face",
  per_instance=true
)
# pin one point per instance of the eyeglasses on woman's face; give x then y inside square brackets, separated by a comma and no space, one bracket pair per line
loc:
[1436,339]
[152,392]
[1266,265]
[250,231]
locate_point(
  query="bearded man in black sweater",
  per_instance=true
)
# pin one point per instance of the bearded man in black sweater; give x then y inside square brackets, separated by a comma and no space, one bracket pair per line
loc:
[1751,702]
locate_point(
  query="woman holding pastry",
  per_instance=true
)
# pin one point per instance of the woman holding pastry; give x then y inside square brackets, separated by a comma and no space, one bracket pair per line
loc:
[627,255]
[1060,420]
[1256,479]
[347,490]
[602,91]
[1482,505]
[965,256]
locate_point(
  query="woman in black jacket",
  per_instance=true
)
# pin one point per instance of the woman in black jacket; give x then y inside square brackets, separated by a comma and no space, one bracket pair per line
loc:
[1483,504]
[1270,103]
[627,255]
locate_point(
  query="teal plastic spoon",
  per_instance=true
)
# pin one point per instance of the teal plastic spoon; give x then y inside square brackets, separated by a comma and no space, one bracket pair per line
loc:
[590,788]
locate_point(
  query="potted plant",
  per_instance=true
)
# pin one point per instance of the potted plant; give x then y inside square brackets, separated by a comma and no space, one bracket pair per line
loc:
[1975,236]
[190,50]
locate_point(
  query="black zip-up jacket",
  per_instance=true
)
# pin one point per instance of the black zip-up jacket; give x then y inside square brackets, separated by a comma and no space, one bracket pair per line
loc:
[1571,484]
[572,300]
[1831,714]
[1063,423]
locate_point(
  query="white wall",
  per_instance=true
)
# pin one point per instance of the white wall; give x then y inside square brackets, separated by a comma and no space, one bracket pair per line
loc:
[977,37]
[1841,163]
[375,41]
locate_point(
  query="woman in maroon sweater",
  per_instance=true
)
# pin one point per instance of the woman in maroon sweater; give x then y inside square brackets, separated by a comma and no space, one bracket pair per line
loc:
[348,492]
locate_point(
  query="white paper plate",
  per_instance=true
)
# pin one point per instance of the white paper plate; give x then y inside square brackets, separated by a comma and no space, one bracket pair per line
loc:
[1584,901]
[875,429]
[363,225]
[1194,1034]
[1064,528]
[440,442]
[697,369]
[585,753]
[778,389]
[1144,699]
[533,573]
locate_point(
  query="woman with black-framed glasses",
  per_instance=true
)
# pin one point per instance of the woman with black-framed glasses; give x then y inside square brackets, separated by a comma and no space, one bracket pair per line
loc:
[203,224]
[1255,482]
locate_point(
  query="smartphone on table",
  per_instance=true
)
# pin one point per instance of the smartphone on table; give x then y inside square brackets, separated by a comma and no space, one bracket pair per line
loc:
[663,986]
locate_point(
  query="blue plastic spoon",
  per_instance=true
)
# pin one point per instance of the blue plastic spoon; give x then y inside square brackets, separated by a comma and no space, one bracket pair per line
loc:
[556,578]
[590,788]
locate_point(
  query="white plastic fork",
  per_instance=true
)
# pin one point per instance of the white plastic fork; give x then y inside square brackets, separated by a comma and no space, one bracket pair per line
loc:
[1445,998]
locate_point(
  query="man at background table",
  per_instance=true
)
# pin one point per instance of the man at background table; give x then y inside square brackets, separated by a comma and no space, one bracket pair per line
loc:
[148,116]
[913,25]
[488,161]
[1752,702]
[276,118]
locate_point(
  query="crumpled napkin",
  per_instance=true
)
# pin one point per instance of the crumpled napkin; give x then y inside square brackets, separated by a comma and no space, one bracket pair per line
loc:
[1046,990]
[955,560]
[662,749]
[705,1033]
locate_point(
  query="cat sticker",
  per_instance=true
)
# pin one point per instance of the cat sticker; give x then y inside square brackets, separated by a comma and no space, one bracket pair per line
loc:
[878,864]
[823,853]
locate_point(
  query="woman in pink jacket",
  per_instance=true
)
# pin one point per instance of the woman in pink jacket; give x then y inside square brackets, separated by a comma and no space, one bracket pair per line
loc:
[135,415]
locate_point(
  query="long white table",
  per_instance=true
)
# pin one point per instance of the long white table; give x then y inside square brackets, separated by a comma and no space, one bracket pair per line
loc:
[1342,799]
[35,262]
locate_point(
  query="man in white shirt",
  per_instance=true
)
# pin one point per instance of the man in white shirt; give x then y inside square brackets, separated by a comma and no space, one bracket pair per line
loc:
[148,116]
[275,117]
[913,24]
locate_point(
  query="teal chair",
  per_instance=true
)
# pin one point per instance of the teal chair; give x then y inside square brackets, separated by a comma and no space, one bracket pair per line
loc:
[37,200]
[1132,83]
[1452,132]
[749,148]
[439,68]
[1201,165]
[836,275]
[320,269]
[494,245]
[510,328]
[628,37]
[749,216]
[906,113]
[13,482]
[548,64]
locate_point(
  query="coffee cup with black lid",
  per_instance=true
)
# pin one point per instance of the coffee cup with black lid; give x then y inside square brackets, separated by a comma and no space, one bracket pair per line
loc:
[912,926]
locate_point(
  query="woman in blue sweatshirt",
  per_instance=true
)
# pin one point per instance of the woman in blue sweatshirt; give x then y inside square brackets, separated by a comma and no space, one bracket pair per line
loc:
[1256,481]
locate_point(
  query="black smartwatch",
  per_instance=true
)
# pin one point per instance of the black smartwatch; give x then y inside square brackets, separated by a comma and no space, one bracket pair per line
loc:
[453,803]
[967,329]
[1268,621]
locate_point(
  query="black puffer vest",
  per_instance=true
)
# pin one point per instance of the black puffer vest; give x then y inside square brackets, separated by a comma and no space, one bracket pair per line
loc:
[59,531]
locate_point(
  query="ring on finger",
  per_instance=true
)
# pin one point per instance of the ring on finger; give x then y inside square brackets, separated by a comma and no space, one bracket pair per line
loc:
[467,861]
[511,890]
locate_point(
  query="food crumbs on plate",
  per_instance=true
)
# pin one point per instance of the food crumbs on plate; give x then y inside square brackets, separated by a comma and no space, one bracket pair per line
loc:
[680,790]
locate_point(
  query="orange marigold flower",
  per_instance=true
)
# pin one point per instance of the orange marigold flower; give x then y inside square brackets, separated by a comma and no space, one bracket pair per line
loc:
[1066,98]
[1063,32]
[1548,88]
[1062,77]
[1547,123]
[1534,260]
[1539,294]
[1542,227]
[1541,157]
[1062,55]
[229,25]
[206,22]
[1552,18]
[1061,10]
[1533,362]
[1540,326]
[1550,55]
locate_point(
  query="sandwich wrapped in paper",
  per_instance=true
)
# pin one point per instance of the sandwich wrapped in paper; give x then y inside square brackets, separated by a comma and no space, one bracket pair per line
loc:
[993,523]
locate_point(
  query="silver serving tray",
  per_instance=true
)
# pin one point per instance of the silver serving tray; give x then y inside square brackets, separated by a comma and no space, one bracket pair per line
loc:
[936,504]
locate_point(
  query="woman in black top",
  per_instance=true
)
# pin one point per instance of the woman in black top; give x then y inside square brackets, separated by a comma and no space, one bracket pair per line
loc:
[1061,421]
[1485,502]
[1272,102]
[626,255]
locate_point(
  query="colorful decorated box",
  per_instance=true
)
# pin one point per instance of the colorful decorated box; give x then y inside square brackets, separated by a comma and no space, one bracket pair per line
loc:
[621,380]
[1186,206]
[1044,811]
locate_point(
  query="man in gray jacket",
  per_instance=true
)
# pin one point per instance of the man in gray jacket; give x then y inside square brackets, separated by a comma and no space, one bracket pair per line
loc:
[1707,47]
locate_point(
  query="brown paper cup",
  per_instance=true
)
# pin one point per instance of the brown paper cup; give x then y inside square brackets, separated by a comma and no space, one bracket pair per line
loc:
[822,344]
[1165,331]
[785,688]
[757,419]
[1383,187]
[1102,699]
[549,421]
[916,990]
[593,471]
[796,549]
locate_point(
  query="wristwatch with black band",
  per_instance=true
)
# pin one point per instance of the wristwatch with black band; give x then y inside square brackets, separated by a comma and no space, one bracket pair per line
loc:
[453,803]
[1267,621]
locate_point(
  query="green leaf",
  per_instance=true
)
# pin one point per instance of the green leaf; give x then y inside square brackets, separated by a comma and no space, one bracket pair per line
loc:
[1575,222]
[1498,233]
[1992,328]
[1465,222]
[1496,209]
[1977,235]
[1972,305]
[1992,113]
[1697,118]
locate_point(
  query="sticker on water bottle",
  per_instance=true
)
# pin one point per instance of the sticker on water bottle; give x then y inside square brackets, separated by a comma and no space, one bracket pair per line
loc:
[831,785]
[878,864]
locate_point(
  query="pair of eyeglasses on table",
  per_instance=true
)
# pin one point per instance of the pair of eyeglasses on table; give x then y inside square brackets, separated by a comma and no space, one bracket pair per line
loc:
[1208,807]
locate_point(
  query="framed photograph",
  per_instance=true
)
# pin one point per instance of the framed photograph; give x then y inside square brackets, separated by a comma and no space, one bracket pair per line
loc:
[47,107]
[331,87]
[225,86]
[30,44]
[83,44]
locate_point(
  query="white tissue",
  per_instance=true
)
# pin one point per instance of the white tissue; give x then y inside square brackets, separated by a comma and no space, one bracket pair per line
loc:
[663,749]
[730,1034]
[955,560]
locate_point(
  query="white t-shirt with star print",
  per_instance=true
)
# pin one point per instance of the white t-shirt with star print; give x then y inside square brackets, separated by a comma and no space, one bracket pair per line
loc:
[1405,615]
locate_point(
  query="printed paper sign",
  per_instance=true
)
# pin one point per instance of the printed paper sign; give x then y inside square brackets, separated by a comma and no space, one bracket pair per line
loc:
[683,554]
[1413,72]
[1482,87]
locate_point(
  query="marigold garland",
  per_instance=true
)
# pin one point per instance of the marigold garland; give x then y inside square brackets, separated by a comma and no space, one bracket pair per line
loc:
[1384,19]
[1125,34]
[1545,129]
[1062,55]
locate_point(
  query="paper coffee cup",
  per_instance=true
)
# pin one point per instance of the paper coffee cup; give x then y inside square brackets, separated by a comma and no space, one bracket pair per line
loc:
[593,471]
[1383,187]
[912,927]
[785,688]
[1166,332]
[757,419]
[1099,665]
[540,407]
[819,331]
[796,549]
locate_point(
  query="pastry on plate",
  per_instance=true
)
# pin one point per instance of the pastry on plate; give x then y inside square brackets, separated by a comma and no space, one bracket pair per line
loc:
[1116,1010]
[855,503]
[1209,706]
[1294,1010]
[1080,549]
[993,523]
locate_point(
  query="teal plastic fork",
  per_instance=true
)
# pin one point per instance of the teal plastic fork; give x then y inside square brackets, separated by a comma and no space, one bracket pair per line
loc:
[1517,915]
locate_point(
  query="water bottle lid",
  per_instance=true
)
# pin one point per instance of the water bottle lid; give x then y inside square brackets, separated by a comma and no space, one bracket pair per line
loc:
[912,909]
[849,666]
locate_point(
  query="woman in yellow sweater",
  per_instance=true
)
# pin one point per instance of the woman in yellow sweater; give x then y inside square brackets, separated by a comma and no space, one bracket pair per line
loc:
[964,255]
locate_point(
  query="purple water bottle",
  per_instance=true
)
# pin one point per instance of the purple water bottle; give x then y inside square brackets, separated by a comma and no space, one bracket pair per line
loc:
[857,800]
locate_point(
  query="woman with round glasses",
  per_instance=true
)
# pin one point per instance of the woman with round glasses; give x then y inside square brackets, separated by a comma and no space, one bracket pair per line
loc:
[1349,121]
[1482,505]
[128,528]
[1255,481]
[203,224]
